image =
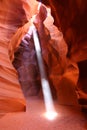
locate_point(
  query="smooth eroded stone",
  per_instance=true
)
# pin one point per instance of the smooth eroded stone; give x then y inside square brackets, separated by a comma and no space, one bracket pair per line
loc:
[66,92]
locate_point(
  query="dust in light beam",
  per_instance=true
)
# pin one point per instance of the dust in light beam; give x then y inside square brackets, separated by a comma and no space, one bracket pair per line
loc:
[50,113]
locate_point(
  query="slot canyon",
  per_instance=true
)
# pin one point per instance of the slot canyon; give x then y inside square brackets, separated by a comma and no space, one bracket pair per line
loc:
[60,27]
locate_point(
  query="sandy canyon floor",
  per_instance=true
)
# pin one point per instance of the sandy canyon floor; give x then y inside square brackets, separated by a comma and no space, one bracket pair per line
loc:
[68,118]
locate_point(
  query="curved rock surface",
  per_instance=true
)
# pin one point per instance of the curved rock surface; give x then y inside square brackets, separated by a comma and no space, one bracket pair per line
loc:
[61,72]
[58,66]
[73,22]
[12,16]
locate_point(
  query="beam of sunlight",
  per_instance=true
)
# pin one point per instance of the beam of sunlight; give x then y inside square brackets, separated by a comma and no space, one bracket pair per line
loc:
[50,110]
[52,115]
[39,5]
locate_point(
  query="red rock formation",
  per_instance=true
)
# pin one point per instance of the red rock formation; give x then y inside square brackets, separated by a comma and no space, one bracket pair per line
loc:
[72,19]
[63,71]
[12,16]
[54,49]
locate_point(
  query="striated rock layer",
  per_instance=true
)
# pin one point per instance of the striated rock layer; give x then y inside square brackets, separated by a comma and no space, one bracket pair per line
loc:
[12,16]
[73,22]
[71,18]
[61,70]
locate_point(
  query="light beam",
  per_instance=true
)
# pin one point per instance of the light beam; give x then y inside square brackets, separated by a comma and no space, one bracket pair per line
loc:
[50,110]
[50,113]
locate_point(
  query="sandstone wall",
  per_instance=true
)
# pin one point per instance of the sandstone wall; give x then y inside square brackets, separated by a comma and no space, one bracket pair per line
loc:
[12,16]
